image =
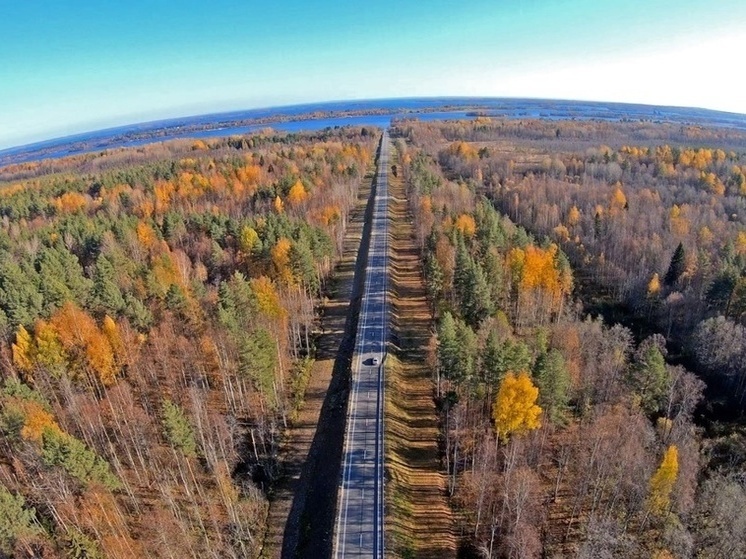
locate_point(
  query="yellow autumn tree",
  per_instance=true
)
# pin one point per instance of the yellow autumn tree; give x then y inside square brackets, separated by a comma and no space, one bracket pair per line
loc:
[279,205]
[280,254]
[250,174]
[654,285]
[267,298]
[50,353]
[466,225]
[463,150]
[678,221]
[740,244]
[426,204]
[100,357]
[329,215]
[297,194]
[248,240]
[712,183]
[618,199]
[663,480]
[165,273]
[515,410]
[23,350]
[72,325]
[162,192]
[664,154]
[110,329]
[705,236]
[539,270]
[561,232]
[573,216]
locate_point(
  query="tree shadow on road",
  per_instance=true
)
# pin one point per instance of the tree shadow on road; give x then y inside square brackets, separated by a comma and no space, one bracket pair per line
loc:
[309,530]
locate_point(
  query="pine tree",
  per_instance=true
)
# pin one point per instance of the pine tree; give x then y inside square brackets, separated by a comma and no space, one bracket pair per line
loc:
[19,297]
[257,359]
[303,266]
[492,362]
[462,270]
[648,376]
[176,300]
[677,266]
[80,546]
[553,382]
[61,449]
[516,356]
[494,275]
[466,343]
[477,297]
[106,294]
[177,430]
[447,346]
[61,277]
[137,313]
[434,278]
[16,521]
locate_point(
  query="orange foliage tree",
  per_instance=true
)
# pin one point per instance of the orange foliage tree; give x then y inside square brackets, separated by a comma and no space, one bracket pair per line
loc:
[36,420]
[466,225]
[297,194]
[70,202]
[86,344]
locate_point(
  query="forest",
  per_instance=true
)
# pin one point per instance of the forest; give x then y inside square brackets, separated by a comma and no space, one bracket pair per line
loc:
[157,321]
[587,281]
[587,286]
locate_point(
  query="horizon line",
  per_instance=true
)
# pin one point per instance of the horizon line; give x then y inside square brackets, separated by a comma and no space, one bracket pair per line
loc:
[169,122]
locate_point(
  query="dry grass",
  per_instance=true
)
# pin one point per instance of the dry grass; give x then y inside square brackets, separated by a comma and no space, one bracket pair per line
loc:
[419,517]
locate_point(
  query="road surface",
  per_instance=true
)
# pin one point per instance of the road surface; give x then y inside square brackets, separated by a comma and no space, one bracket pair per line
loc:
[359,525]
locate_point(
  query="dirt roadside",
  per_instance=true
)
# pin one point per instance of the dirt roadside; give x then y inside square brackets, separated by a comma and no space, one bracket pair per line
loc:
[303,504]
[419,519]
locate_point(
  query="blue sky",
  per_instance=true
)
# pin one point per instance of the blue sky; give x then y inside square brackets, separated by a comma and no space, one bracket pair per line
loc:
[69,66]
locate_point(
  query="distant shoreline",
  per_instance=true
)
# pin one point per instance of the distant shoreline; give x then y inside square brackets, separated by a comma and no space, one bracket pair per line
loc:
[357,113]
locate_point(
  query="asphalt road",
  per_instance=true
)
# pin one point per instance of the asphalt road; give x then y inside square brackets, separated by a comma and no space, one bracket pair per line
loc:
[359,530]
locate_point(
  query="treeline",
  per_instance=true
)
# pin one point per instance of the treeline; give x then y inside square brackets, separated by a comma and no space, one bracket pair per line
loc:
[562,436]
[156,334]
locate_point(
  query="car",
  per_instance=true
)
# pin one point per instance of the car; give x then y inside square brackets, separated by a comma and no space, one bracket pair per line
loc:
[375,361]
